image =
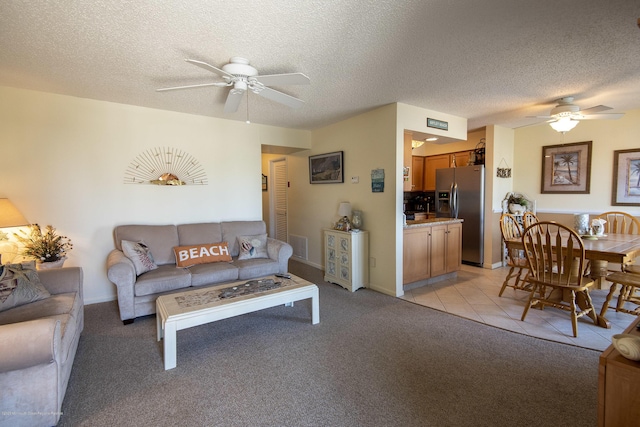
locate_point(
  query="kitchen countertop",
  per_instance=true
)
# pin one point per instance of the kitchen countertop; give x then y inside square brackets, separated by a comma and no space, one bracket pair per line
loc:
[431,221]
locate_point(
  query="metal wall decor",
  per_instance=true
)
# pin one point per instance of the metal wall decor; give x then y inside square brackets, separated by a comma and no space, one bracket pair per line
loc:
[165,166]
[503,172]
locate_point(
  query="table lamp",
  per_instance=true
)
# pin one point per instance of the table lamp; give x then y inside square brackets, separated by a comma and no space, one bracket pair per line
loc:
[10,216]
[344,210]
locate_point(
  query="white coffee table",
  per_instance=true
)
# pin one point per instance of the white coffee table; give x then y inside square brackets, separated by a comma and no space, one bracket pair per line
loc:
[198,306]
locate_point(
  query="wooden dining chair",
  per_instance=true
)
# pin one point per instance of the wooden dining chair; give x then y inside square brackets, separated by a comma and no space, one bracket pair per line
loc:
[557,265]
[516,261]
[528,219]
[630,292]
[620,223]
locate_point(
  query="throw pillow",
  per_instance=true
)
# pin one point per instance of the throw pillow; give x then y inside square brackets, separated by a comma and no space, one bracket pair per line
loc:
[140,255]
[186,256]
[253,246]
[19,285]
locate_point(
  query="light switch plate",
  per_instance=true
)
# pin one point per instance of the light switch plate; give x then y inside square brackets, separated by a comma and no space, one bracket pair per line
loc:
[355,179]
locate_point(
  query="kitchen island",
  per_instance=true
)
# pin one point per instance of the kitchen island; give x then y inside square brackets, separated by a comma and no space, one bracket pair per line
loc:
[432,250]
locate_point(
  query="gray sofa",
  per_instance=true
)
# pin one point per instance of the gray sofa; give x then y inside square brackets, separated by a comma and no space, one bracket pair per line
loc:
[38,345]
[137,294]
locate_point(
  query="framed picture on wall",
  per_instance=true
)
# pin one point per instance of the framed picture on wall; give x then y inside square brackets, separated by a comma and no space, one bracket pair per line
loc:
[626,178]
[326,168]
[566,168]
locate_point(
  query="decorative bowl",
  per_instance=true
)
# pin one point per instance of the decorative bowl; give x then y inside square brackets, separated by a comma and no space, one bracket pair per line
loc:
[628,345]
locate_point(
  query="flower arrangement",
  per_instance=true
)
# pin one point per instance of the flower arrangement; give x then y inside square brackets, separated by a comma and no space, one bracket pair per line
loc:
[45,246]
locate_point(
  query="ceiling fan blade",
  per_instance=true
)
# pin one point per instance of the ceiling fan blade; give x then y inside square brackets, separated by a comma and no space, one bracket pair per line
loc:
[164,89]
[605,116]
[233,100]
[596,109]
[539,117]
[280,97]
[283,79]
[209,67]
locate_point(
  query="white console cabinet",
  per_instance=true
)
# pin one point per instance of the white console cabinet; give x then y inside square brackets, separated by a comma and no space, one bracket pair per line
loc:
[346,258]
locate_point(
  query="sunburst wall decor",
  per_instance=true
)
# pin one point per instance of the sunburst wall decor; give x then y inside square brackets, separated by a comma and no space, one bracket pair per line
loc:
[165,166]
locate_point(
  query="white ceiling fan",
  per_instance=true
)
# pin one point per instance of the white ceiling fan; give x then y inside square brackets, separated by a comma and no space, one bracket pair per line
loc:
[566,115]
[240,76]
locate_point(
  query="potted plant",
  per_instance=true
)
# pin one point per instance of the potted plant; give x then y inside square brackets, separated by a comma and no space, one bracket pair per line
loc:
[517,203]
[47,247]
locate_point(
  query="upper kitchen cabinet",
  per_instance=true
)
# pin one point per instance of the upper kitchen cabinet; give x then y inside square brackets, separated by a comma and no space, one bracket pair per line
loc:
[417,173]
[431,163]
[462,158]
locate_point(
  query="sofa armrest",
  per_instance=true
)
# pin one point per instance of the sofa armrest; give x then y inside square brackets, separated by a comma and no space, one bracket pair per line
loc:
[62,280]
[122,273]
[279,251]
[26,344]
[120,269]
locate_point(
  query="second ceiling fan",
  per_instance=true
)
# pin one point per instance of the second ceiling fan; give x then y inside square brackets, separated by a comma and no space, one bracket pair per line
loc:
[566,115]
[241,76]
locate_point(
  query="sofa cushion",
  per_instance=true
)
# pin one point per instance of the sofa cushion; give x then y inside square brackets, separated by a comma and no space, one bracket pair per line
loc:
[160,239]
[256,267]
[194,234]
[164,278]
[186,256]
[19,285]
[207,274]
[232,229]
[52,306]
[252,246]
[140,255]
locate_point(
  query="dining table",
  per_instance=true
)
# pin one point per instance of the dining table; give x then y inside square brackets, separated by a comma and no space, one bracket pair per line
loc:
[600,251]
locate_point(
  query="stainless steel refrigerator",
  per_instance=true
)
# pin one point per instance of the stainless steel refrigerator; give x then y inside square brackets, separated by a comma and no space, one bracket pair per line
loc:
[460,194]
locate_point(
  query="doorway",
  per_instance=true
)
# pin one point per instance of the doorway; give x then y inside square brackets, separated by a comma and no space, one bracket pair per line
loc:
[278,204]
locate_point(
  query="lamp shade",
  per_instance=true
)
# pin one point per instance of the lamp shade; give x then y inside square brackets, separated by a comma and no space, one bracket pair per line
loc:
[344,209]
[10,216]
[564,124]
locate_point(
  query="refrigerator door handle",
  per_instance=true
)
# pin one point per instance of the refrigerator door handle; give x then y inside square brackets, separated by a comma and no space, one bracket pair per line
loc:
[455,200]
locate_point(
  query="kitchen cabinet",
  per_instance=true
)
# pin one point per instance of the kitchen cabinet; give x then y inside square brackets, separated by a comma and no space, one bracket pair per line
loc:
[462,158]
[417,251]
[431,250]
[446,248]
[417,173]
[346,256]
[441,161]
[431,163]
[618,386]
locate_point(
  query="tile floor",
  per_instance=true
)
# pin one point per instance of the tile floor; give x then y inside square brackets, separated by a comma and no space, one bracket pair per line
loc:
[474,295]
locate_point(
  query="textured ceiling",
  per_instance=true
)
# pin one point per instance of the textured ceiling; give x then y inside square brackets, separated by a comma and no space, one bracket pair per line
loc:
[491,61]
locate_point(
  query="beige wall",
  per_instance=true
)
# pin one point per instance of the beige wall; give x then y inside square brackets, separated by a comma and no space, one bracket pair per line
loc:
[64,160]
[369,142]
[607,136]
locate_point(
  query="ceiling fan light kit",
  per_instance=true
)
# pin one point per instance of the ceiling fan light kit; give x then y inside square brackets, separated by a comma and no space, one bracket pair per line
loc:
[564,124]
[241,77]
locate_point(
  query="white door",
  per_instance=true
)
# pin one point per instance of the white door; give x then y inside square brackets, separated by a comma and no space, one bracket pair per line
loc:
[278,199]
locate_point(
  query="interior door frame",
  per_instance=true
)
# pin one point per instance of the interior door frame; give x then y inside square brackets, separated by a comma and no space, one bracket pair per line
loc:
[272,187]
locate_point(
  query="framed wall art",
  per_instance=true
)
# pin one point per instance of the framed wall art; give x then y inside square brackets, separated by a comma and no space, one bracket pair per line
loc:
[566,168]
[326,168]
[626,178]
